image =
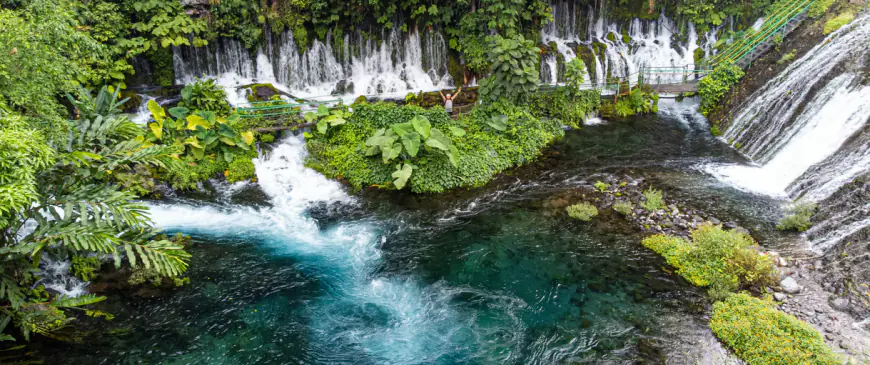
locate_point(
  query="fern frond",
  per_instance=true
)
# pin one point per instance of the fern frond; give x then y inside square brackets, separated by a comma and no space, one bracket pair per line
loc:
[164,257]
[79,301]
[136,152]
[9,290]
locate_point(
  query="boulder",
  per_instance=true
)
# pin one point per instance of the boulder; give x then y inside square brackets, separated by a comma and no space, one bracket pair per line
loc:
[780,297]
[840,304]
[790,286]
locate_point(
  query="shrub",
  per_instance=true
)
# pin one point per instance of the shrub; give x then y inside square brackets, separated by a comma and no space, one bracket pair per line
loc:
[714,87]
[483,150]
[267,138]
[623,207]
[819,7]
[567,106]
[714,130]
[761,335]
[514,73]
[582,211]
[837,22]
[787,57]
[797,217]
[601,186]
[205,95]
[240,169]
[723,261]
[653,200]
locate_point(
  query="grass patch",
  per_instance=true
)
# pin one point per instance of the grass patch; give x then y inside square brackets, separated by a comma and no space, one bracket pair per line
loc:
[819,7]
[761,335]
[787,57]
[837,22]
[654,200]
[582,211]
[723,261]
[241,169]
[797,217]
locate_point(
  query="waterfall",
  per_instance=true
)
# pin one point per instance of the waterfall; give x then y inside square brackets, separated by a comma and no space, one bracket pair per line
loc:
[399,63]
[55,275]
[651,44]
[806,130]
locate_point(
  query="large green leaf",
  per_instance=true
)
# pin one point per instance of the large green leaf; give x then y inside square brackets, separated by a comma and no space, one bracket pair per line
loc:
[391,152]
[322,126]
[322,110]
[438,140]
[498,122]
[402,175]
[156,110]
[411,141]
[179,112]
[309,117]
[157,129]
[402,128]
[421,125]
[375,139]
[459,132]
[453,156]
[194,120]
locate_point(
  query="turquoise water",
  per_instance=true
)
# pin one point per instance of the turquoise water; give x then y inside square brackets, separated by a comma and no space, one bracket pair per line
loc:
[489,276]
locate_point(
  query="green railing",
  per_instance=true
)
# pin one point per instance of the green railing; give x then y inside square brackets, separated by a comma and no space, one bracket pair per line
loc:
[273,108]
[773,23]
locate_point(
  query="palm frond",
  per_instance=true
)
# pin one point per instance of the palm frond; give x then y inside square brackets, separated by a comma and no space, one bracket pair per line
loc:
[136,152]
[163,256]
[9,290]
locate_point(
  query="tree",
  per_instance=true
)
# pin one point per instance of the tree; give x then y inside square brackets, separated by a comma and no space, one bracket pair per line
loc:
[514,71]
[57,202]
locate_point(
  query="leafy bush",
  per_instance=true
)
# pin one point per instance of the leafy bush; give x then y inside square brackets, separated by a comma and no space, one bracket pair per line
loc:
[582,211]
[787,57]
[267,138]
[85,267]
[575,72]
[570,108]
[714,87]
[760,334]
[241,169]
[623,207]
[205,95]
[483,148]
[819,7]
[798,217]
[209,142]
[601,186]
[718,259]
[653,200]
[837,22]
[514,72]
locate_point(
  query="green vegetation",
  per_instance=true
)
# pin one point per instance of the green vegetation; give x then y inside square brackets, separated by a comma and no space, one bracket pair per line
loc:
[491,139]
[85,267]
[267,138]
[623,207]
[797,217]
[514,72]
[653,200]
[601,187]
[241,169]
[561,105]
[582,211]
[637,102]
[208,143]
[714,87]
[819,8]
[205,95]
[787,57]
[66,196]
[723,261]
[760,334]
[839,21]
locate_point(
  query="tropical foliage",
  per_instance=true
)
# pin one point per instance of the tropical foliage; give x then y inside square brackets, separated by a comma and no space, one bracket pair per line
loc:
[714,87]
[514,72]
[205,95]
[464,152]
[760,334]
[56,203]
